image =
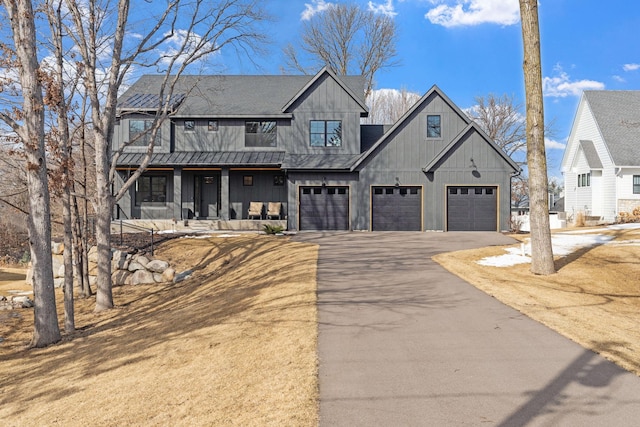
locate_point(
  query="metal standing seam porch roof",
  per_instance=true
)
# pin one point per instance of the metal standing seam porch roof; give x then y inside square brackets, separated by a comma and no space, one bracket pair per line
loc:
[221,158]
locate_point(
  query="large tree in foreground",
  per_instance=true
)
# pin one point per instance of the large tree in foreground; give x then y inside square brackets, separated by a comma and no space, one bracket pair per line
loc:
[541,248]
[28,123]
[348,40]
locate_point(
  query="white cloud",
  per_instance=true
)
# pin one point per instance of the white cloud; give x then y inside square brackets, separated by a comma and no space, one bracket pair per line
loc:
[631,67]
[551,144]
[181,45]
[561,86]
[383,8]
[458,13]
[619,79]
[316,6]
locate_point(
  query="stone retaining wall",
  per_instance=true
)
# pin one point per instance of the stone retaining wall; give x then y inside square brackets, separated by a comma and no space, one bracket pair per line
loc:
[126,269]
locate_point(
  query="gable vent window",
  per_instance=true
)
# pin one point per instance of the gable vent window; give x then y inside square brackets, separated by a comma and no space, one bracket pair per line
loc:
[260,134]
[434,128]
[326,133]
[636,184]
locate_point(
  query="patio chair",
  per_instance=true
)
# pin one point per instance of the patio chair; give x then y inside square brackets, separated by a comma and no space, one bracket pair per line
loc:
[255,210]
[273,210]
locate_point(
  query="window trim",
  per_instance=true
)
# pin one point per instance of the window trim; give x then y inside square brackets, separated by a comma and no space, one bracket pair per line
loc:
[145,133]
[262,139]
[439,126]
[325,135]
[635,186]
[189,125]
[139,196]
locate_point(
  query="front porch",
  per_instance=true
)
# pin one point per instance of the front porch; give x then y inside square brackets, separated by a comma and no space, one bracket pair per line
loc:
[192,225]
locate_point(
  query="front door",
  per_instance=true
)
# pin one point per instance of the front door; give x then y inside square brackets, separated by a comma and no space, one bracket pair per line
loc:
[205,196]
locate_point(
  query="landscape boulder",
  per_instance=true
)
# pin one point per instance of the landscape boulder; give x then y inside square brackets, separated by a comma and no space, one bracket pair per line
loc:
[157,266]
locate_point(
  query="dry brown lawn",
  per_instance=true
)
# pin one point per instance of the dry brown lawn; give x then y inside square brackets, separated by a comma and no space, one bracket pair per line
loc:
[235,344]
[593,299]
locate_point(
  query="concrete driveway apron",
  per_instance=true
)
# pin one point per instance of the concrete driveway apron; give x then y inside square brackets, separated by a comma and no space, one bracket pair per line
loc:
[402,342]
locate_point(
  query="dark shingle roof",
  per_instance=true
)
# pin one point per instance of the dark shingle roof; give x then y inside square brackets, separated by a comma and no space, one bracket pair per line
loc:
[591,154]
[617,114]
[232,96]
[221,158]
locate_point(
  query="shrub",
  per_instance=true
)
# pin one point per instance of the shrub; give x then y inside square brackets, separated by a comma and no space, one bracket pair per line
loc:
[273,229]
[580,219]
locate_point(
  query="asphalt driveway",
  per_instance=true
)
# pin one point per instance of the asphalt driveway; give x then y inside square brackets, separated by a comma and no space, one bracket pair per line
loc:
[402,342]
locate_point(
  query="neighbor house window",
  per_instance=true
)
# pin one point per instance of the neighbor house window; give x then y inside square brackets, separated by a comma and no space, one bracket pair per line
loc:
[326,133]
[151,189]
[140,132]
[434,129]
[278,180]
[247,180]
[584,180]
[189,125]
[212,126]
[636,184]
[260,134]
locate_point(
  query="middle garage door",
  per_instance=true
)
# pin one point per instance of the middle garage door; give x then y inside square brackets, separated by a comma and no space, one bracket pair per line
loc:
[396,209]
[324,208]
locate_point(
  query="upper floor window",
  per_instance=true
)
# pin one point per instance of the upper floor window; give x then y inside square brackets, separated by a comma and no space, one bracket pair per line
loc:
[434,129]
[636,184]
[212,126]
[151,188]
[189,125]
[584,180]
[326,133]
[140,132]
[260,134]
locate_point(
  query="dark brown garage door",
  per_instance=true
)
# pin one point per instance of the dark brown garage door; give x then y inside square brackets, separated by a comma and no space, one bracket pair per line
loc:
[396,209]
[324,208]
[472,208]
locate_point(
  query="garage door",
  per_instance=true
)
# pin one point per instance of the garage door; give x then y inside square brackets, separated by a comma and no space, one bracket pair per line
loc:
[472,209]
[324,208]
[396,209]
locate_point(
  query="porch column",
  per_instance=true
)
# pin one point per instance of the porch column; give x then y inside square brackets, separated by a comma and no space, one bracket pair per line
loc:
[177,193]
[224,194]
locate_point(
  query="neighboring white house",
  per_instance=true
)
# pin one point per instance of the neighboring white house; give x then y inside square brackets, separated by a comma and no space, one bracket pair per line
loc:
[601,163]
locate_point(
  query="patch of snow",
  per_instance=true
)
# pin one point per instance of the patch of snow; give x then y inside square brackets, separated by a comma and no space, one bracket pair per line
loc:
[563,245]
[197,236]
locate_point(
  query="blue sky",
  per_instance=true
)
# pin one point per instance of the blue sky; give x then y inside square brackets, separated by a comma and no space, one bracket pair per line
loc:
[474,47]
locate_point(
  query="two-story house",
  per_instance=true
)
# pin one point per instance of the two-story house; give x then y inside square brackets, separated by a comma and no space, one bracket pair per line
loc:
[601,163]
[233,140]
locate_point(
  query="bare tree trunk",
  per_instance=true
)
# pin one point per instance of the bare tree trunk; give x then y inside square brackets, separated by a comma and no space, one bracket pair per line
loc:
[31,133]
[541,248]
[59,105]
[77,245]
[104,203]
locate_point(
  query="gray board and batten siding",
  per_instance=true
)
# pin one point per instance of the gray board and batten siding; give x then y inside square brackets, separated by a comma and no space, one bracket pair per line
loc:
[380,177]
[406,158]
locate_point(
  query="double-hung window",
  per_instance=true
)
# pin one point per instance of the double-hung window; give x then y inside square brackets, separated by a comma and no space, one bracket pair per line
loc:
[140,132]
[584,180]
[326,133]
[260,134]
[636,184]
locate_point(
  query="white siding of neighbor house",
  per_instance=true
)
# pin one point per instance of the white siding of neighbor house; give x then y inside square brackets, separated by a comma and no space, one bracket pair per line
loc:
[582,195]
[601,197]
[624,184]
